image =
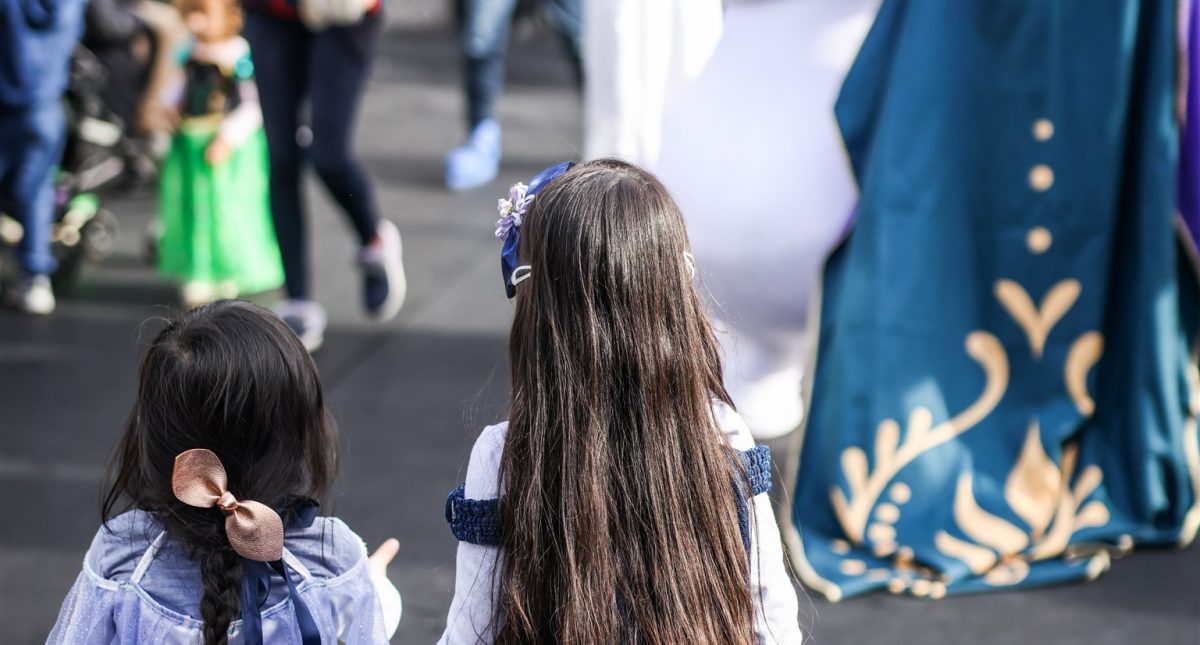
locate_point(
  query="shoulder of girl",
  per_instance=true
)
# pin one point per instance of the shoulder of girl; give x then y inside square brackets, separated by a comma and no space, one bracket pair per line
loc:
[489,445]
[484,466]
[493,434]
[184,52]
[120,542]
[329,543]
[243,68]
[734,426]
[333,531]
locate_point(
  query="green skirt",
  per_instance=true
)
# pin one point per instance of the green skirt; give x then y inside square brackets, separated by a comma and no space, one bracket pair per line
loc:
[217,221]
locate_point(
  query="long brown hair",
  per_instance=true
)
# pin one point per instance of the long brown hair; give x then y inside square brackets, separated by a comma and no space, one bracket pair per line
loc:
[619,517]
[232,378]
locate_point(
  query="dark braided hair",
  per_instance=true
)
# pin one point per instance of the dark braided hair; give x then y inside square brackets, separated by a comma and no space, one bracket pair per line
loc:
[232,378]
[221,571]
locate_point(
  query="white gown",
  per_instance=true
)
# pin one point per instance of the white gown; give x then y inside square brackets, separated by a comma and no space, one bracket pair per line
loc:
[751,150]
[637,54]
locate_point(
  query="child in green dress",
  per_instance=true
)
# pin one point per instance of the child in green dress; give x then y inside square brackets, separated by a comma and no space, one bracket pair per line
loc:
[217,234]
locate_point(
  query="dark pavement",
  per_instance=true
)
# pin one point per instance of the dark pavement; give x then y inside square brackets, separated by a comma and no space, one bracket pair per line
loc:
[411,396]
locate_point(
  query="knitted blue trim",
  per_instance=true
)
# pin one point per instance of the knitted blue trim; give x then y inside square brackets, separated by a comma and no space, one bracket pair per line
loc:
[476,521]
[757,462]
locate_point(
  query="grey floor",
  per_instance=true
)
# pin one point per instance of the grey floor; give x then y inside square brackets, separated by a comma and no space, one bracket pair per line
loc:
[410,396]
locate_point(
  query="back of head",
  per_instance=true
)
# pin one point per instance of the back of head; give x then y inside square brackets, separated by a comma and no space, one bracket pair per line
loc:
[229,377]
[617,483]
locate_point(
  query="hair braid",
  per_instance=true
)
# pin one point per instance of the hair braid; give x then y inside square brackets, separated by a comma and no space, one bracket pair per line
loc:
[221,573]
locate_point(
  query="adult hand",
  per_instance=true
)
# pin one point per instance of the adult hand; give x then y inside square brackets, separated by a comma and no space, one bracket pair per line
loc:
[218,151]
[382,557]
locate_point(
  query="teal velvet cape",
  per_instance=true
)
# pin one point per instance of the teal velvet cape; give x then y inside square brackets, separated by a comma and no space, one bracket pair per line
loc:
[1005,387]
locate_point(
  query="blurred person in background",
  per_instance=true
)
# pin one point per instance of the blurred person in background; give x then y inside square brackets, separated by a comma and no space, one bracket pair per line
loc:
[637,57]
[124,44]
[36,41]
[137,42]
[319,54]
[217,237]
[483,33]
[762,221]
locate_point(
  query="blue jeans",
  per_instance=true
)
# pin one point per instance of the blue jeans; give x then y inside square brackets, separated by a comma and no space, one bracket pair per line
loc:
[31,145]
[483,30]
[329,71]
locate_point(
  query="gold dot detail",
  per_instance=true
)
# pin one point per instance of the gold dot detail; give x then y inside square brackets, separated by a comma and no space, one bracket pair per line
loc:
[1039,239]
[1098,565]
[881,533]
[1043,129]
[854,567]
[896,585]
[900,493]
[888,513]
[883,549]
[937,590]
[841,547]
[905,554]
[879,575]
[1041,178]
[920,588]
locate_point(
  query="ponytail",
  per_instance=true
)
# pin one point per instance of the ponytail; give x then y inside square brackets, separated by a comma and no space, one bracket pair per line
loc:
[221,574]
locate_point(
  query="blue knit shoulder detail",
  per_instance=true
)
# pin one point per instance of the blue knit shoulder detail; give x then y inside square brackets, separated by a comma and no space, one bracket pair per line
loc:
[476,521]
[757,462]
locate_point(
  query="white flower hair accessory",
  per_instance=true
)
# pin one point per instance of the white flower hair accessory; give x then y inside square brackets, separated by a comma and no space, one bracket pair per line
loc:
[512,209]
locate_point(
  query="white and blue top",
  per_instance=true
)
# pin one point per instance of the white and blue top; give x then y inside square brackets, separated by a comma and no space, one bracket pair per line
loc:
[471,512]
[139,586]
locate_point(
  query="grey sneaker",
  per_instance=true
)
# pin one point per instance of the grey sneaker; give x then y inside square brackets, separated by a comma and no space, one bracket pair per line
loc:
[31,294]
[384,283]
[307,319]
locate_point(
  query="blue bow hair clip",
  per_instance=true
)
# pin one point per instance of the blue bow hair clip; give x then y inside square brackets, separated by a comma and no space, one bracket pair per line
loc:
[508,228]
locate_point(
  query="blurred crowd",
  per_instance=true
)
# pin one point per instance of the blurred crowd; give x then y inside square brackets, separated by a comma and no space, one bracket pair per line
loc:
[953,243]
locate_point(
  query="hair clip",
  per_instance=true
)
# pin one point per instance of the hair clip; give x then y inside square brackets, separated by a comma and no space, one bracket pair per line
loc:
[690,261]
[508,228]
[520,274]
[254,530]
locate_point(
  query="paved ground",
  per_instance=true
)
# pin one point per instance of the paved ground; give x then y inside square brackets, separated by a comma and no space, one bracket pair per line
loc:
[410,396]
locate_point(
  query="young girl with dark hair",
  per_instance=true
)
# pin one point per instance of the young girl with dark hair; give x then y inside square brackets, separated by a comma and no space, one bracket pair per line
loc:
[224,456]
[620,502]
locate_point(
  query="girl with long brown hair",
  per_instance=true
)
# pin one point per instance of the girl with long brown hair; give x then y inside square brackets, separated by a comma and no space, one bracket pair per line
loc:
[620,501]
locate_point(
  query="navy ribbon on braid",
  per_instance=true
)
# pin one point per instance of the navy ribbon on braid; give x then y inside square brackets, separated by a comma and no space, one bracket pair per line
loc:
[256,586]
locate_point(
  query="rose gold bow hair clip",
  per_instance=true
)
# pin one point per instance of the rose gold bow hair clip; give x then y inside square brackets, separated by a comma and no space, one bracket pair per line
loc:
[254,530]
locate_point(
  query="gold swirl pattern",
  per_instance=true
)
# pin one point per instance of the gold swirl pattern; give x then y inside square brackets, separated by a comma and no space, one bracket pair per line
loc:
[1037,322]
[865,486]
[1085,352]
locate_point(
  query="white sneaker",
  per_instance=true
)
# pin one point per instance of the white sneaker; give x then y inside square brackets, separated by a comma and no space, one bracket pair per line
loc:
[32,294]
[307,319]
[384,283]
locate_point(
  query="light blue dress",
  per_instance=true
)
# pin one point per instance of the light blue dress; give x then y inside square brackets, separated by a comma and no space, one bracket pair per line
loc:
[138,586]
